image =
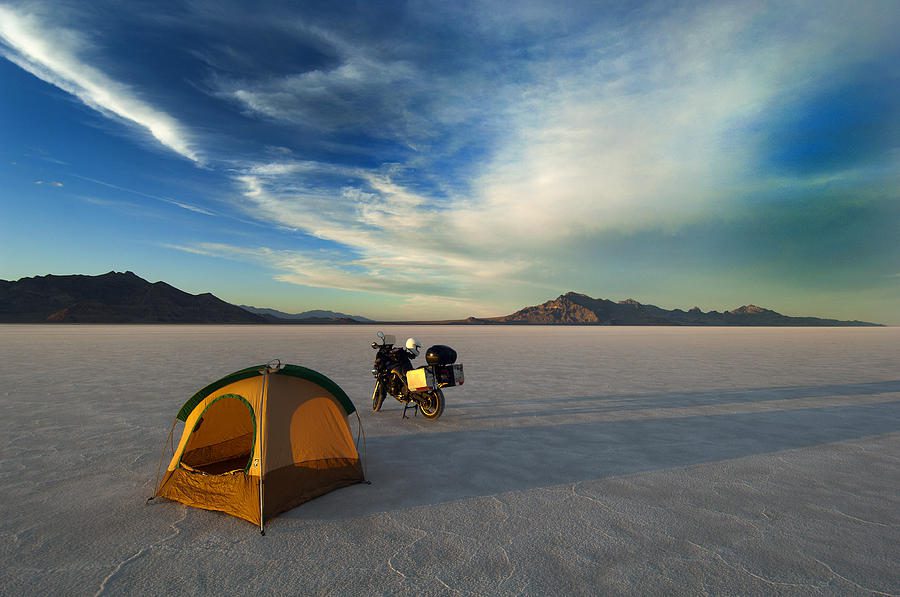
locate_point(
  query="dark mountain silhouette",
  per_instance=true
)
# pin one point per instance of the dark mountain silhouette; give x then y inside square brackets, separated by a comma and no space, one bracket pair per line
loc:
[579,309]
[111,298]
[318,314]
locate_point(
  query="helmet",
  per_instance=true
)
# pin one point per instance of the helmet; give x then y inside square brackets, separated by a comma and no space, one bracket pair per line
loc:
[413,346]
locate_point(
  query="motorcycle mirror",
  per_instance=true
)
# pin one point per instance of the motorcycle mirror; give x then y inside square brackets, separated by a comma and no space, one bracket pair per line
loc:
[380,335]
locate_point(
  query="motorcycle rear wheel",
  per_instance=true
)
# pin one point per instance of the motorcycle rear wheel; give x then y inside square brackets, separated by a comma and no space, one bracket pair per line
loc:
[378,395]
[432,405]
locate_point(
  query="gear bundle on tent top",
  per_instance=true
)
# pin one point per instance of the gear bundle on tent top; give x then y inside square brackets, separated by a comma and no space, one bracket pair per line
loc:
[261,441]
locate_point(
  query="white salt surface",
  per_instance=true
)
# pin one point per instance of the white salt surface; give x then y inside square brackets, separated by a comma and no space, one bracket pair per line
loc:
[573,461]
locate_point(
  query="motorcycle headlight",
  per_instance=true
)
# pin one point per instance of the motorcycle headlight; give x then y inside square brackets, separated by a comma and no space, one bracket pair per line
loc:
[375,372]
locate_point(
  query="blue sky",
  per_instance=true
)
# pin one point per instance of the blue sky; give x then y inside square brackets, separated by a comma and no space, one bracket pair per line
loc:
[438,160]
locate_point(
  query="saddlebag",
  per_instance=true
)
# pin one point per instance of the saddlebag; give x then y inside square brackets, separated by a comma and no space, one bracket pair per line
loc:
[442,376]
[418,380]
[449,375]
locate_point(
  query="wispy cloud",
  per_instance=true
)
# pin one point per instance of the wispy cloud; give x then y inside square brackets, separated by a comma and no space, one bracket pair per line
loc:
[350,95]
[390,228]
[421,97]
[306,268]
[56,54]
[108,202]
[356,89]
[43,156]
[655,133]
[181,204]
[193,208]
[322,269]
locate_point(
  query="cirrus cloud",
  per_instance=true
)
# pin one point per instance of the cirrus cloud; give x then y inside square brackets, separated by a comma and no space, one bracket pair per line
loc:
[55,54]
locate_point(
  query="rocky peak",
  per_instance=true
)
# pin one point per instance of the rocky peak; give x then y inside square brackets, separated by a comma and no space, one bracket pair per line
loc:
[749,310]
[564,309]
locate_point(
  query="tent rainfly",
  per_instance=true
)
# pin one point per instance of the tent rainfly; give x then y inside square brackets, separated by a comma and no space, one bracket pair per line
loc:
[261,441]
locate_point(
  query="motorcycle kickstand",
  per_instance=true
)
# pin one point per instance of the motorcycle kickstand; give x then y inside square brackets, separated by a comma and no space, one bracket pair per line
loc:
[415,410]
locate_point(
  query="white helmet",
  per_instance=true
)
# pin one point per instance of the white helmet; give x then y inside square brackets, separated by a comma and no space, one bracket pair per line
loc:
[413,346]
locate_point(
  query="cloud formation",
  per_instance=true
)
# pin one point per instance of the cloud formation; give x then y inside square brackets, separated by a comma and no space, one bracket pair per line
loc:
[652,128]
[55,54]
[484,157]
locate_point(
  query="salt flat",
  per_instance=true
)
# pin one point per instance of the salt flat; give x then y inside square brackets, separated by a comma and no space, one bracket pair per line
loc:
[573,461]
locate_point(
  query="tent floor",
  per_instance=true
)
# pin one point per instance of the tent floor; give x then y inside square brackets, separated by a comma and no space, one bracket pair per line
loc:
[225,466]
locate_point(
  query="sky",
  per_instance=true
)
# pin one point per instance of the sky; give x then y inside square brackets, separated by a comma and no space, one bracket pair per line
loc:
[425,160]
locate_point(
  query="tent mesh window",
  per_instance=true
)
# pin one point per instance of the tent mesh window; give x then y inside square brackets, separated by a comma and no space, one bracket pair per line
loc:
[223,438]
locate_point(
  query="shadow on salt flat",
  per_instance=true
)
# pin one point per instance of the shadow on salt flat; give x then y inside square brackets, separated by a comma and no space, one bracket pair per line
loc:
[433,468]
[482,409]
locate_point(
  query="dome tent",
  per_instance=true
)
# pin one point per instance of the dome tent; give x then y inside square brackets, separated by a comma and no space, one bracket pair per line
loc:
[261,441]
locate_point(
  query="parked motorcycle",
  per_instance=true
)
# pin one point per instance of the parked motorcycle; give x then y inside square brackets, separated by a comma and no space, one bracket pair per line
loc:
[419,388]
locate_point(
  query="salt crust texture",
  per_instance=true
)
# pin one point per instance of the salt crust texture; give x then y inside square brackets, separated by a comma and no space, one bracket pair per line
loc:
[573,461]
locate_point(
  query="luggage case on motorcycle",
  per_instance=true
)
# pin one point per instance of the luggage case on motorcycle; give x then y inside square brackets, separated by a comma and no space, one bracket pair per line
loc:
[421,379]
[449,375]
[440,355]
[442,376]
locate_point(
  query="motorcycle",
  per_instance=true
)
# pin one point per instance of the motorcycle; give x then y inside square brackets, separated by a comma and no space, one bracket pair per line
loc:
[418,388]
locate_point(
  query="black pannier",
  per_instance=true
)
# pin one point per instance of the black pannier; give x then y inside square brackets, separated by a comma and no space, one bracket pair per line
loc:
[440,355]
[449,375]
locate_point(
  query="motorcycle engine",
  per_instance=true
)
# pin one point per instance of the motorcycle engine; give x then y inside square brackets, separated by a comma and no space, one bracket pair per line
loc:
[395,386]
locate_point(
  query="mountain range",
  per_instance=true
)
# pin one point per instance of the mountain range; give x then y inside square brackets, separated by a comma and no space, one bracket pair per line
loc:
[117,297]
[573,308]
[315,314]
[111,298]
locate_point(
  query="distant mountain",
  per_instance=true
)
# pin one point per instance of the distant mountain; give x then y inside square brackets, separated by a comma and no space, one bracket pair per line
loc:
[315,314]
[127,298]
[111,298]
[579,309]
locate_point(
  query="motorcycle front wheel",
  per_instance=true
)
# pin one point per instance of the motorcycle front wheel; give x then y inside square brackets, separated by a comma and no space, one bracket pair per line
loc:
[378,396]
[432,404]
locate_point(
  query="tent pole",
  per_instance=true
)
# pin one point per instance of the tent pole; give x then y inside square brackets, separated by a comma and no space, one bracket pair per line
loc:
[262,448]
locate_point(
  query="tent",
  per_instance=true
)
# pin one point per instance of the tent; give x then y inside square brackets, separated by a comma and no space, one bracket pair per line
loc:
[261,441]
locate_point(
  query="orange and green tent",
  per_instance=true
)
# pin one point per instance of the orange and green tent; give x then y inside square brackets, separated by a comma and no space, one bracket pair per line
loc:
[261,441]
